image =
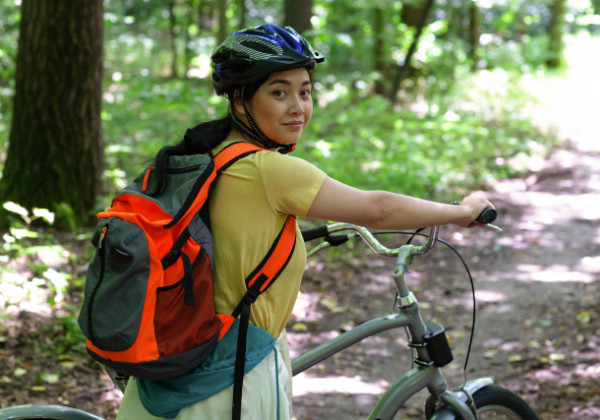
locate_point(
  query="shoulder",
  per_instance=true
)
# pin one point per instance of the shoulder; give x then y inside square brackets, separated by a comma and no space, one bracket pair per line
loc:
[270,158]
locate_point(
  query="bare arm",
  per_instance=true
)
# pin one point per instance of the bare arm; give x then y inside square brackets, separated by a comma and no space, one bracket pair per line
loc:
[384,210]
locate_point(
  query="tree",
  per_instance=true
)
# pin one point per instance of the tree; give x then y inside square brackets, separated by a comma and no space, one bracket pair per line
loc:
[423,9]
[170,6]
[297,14]
[555,33]
[473,34]
[54,157]
[223,31]
[378,49]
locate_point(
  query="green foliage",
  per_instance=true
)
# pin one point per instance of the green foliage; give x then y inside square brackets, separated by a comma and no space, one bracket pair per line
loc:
[39,271]
[461,140]
[141,114]
[9,24]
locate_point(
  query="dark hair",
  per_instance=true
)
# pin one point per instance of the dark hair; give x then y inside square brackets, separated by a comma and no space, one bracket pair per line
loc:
[207,135]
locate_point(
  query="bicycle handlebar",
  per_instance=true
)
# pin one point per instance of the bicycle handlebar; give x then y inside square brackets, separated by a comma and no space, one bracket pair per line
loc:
[315,233]
[329,233]
[487,216]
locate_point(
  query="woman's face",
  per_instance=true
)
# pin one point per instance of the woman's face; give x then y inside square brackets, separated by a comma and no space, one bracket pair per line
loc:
[282,106]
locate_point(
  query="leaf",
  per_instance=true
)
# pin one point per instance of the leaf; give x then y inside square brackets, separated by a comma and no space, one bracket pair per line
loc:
[68,364]
[50,378]
[45,214]
[15,208]
[19,372]
[490,354]
[299,326]
[515,358]
[584,317]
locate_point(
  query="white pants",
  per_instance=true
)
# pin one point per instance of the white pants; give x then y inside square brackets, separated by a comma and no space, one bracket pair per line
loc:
[265,393]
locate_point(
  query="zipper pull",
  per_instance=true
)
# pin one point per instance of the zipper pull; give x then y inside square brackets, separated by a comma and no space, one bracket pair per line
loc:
[102,236]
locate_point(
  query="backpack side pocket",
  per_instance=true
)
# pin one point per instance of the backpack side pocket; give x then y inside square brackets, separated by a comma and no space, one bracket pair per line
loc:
[116,285]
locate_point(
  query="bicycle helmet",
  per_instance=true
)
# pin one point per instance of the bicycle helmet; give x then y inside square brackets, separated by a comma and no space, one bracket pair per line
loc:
[250,54]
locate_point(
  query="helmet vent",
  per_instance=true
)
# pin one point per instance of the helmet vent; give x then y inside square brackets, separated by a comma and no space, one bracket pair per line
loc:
[260,47]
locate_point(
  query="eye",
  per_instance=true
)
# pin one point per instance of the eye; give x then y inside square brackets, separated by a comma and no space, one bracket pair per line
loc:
[279,93]
[306,93]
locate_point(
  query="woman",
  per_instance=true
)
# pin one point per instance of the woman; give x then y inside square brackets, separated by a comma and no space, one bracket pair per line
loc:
[266,74]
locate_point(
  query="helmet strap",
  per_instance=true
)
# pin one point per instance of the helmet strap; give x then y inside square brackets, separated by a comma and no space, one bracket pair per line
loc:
[255,133]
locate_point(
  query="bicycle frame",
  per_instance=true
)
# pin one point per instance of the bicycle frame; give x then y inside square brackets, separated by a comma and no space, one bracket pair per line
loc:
[425,374]
[409,384]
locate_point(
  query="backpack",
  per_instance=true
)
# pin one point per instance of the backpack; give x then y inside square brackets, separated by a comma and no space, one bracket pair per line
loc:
[149,307]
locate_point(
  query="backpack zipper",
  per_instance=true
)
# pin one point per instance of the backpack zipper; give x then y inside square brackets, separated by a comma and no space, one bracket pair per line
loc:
[102,252]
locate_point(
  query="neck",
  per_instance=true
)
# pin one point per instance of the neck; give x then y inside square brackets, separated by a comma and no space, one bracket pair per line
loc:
[236,135]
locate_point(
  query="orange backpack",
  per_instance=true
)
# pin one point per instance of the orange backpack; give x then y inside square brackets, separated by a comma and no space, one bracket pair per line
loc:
[149,306]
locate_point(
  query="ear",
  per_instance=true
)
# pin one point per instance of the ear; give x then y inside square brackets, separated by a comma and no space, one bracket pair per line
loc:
[237,102]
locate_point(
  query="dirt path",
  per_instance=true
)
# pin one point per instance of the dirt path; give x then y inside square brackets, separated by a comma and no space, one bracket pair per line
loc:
[537,319]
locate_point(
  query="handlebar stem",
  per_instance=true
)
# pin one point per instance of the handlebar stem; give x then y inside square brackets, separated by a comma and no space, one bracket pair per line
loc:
[404,256]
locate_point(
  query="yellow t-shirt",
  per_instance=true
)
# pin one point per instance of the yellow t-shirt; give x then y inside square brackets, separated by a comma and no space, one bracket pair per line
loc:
[248,207]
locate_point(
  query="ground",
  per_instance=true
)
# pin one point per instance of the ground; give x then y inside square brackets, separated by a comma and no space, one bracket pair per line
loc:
[537,330]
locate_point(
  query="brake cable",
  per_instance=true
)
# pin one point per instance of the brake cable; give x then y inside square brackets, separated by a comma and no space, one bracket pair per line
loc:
[470,277]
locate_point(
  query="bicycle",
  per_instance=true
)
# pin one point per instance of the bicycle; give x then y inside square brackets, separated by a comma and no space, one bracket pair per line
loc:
[475,399]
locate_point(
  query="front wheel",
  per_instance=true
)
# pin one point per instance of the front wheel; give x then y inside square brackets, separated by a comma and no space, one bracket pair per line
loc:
[491,402]
[494,402]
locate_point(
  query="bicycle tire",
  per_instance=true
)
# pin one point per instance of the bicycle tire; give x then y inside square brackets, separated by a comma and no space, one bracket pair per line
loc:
[492,402]
[499,403]
[45,412]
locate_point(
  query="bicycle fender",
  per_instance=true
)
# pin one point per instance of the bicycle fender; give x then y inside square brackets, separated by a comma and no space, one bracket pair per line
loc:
[45,412]
[446,412]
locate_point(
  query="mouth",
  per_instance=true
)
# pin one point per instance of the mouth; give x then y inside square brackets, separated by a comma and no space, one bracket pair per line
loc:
[294,124]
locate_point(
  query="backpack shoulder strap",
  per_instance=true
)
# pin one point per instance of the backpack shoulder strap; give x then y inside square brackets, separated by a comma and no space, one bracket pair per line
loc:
[261,278]
[257,282]
[232,153]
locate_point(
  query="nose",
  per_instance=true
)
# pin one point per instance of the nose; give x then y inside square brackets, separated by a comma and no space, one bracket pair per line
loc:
[296,107]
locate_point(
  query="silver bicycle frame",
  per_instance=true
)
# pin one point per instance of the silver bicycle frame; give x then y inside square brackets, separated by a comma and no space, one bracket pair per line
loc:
[413,381]
[425,374]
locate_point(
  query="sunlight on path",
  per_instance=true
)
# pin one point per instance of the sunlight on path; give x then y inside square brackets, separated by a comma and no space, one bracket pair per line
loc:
[571,103]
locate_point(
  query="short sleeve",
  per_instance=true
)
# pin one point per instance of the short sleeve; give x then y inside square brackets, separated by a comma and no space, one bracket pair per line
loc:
[291,184]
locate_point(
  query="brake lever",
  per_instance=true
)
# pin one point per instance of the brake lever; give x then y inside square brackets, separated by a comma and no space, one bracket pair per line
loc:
[493,228]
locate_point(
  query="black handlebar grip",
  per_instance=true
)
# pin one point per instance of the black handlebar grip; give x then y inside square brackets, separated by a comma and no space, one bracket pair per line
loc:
[314,233]
[487,216]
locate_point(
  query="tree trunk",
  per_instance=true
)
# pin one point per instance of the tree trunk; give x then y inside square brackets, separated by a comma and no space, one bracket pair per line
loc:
[242,14]
[555,32]
[401,71]
[474,35]
[297,14]
[55,145]
[173,37]
[223,31]
[411,13]
[378,48]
